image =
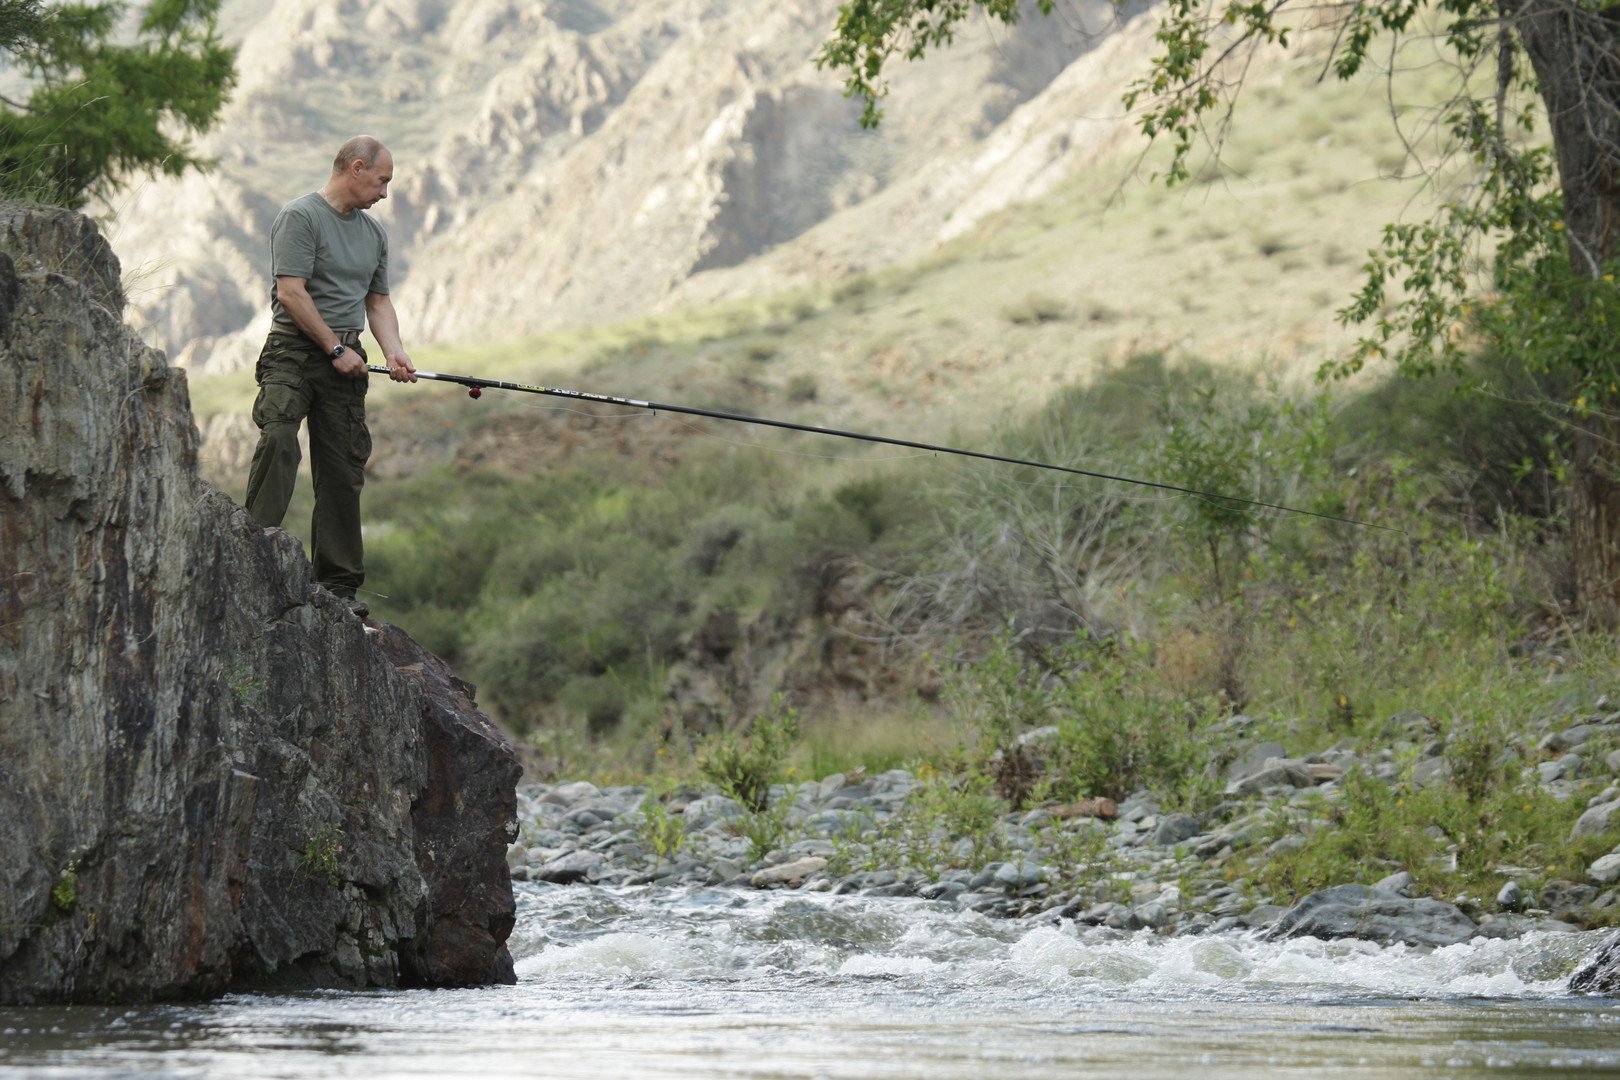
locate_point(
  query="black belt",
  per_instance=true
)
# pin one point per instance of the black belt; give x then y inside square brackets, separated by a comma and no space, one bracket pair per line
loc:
[348,337]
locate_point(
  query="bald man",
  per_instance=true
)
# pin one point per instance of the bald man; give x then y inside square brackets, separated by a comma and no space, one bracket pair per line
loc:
[329,260]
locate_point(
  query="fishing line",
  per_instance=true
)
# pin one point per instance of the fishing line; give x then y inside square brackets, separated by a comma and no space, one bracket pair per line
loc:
[477,386]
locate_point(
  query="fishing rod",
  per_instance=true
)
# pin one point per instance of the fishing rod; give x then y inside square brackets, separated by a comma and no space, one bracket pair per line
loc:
[477,386]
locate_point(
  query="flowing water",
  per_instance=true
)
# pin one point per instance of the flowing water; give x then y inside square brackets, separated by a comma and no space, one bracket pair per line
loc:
[714,983]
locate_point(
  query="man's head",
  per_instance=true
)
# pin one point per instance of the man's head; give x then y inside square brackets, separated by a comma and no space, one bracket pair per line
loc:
[361,172]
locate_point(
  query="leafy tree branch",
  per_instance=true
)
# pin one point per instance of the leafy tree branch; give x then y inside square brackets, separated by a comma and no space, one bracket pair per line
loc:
[99,109]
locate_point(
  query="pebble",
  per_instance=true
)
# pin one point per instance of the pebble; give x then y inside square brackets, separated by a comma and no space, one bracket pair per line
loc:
[788,873]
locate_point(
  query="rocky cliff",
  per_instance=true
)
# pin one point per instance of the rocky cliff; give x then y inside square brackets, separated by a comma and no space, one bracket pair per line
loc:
[212,776]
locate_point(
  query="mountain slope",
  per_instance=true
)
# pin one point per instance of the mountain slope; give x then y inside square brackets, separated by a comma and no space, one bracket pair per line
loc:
[575,163]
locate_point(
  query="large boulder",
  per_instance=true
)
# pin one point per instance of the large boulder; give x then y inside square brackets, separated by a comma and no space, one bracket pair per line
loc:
[1360,911]
[212,775]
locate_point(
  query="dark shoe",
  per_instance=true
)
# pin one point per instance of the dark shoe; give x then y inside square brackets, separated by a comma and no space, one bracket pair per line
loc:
[350,601]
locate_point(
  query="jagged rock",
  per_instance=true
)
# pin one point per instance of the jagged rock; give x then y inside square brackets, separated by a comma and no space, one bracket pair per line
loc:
[1559,741]
[1252,759]
[464,818]
[1275,773]
[1562,898]
[212,776]
[1399,883]
[1359,911]
[568,869]
[1602,975]
[1175,828]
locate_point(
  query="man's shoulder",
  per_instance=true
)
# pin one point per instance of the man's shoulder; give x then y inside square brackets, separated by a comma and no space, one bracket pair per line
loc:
[301,207]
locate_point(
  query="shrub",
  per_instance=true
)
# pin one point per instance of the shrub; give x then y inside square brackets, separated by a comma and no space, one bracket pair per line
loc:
[745,768]
[663,832]
[1118,728]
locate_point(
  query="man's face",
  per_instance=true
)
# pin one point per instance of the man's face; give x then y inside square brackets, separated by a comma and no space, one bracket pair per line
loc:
[369,184]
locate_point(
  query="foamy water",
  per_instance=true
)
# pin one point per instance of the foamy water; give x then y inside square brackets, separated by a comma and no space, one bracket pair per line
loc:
[713,983]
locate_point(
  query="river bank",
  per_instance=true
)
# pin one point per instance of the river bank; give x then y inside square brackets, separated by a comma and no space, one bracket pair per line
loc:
[1135,864]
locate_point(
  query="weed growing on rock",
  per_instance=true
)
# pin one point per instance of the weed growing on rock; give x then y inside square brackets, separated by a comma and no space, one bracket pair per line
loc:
[664,833]
[1093,720]
[244,684]
[765,829]
[321,853]
[65,893]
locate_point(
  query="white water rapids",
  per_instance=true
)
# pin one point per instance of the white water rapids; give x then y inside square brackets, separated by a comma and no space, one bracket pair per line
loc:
[699,983]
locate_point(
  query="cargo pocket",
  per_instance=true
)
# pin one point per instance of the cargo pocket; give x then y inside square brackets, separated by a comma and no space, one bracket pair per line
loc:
[279,403]
[359,434]
[283,392]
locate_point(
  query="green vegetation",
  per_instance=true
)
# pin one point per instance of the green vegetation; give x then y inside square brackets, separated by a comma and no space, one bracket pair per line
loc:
[664,833]
[1517,254]
[1046,638]
[321,851]
[745,768]
[567,593]
[1378,826]
[100,105]
[65,893]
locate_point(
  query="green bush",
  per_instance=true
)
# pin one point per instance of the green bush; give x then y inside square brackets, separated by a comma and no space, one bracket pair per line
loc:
[1378,827]
[745,768]
[1118,728]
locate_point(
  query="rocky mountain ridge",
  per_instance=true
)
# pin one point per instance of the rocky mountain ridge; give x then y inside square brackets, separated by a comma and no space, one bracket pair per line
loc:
[579,162]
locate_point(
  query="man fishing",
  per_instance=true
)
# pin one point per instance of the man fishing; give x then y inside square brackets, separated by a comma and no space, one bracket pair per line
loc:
[329,262]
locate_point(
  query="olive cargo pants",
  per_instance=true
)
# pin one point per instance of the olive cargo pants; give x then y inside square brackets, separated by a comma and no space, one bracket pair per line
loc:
[297,382]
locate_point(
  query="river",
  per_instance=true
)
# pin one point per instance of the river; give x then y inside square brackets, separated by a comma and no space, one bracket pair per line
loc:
[698,983]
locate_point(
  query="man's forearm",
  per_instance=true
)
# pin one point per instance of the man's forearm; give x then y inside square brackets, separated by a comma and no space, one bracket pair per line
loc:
[384,324]
[385,328]
[296,302]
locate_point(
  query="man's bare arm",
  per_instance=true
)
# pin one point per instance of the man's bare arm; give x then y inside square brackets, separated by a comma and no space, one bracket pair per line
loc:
[384,323]
[295,301]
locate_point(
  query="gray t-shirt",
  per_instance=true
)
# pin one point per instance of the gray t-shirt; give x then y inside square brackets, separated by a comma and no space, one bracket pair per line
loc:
[341,258]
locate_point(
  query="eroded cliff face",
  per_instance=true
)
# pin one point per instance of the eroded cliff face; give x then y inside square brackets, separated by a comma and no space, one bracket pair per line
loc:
[212,776]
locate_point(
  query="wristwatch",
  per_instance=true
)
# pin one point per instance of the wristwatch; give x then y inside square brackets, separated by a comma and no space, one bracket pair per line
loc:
[338,350]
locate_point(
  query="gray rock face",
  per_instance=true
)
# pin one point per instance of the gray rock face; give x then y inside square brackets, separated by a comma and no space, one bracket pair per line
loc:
[212,776]
[1372,915]
[1602,975]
